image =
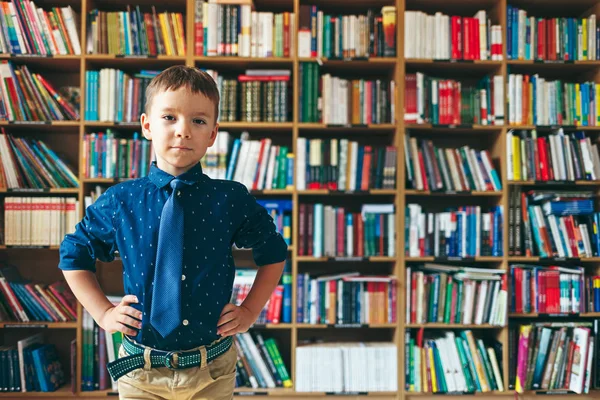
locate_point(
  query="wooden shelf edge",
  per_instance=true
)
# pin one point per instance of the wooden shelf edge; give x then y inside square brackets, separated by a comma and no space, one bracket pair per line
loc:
[39,324]
[452,326]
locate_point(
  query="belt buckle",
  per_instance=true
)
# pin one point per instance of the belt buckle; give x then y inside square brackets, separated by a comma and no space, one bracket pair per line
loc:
[170,361]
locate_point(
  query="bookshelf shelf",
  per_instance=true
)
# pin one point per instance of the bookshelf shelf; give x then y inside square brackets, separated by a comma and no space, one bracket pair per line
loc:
[109,57]
[591,129]
[42,191]
[553,259]
[38,324]
[347,326]
[62,392]
[327,192]
[454,259]
[555,315]
[310,259]
[554,183]
[242,61]
[347,128]
[36,124]
[460,129]
[431,325]
[455,66]
[416,193]
[4,247]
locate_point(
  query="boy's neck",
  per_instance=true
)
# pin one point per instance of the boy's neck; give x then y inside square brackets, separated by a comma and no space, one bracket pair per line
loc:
[172,170]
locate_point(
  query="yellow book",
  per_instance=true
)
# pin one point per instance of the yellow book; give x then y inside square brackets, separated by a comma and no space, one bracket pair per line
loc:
[434,386]
[585,38]
[521,375]
[577,105]
[530,105]
[597,88]
[516,158]
[165,34]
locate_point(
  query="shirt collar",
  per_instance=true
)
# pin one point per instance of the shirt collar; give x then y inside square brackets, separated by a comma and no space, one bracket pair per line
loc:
[161,178]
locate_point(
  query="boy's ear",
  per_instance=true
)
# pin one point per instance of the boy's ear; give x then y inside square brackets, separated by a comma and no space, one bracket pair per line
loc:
[145,122]
[213,135]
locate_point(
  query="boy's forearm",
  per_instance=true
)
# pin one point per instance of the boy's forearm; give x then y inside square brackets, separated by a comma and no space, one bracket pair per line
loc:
[85,287]
[265,282]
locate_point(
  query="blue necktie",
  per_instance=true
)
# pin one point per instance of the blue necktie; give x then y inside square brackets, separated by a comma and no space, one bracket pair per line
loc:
[165,315]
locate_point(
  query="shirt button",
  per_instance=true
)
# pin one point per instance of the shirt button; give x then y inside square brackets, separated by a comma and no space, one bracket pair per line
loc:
[183,277]
[185,322]
[179,193]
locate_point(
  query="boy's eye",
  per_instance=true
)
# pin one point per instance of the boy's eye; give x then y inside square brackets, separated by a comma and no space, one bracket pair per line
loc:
[199,121]
[169,117]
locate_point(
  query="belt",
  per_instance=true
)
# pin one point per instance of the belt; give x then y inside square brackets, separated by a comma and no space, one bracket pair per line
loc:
[162,358]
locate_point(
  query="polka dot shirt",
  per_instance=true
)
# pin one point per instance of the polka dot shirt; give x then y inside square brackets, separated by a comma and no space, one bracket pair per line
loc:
[217,214]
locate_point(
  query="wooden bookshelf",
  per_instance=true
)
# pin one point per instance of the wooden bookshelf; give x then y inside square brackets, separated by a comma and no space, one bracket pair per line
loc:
[395,67]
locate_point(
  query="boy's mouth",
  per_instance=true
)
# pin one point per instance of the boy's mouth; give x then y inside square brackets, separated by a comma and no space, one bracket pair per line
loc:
[181,148]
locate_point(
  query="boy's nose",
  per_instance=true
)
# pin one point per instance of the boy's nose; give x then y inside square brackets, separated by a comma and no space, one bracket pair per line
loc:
[183,130]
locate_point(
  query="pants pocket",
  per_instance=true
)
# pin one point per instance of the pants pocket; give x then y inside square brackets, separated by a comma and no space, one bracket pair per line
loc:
[223,366]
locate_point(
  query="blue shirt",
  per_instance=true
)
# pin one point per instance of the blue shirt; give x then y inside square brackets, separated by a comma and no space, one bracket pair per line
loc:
[218,213]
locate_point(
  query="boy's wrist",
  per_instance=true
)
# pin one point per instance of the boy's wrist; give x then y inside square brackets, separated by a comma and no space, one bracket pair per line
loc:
[252,313]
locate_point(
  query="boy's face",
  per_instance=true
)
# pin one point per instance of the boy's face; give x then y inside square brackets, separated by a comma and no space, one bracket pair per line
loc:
[182,126]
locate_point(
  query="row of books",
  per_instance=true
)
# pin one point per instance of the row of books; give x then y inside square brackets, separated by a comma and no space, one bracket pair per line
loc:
[452,362]
[451,37]
[31,365]
[346,36]
[535,100]
[30,163]
[98,348]
[106,155]
[429,167]
[551,290]
[260,364]
[367,101]
[27,96]
[281,212]
[553,157]
[343,164]
[25,301]
[256,163]
[133,32]
[238,30]
[28,29]
[554,355]
[346,367]
[334,231]
[346,299]
[38,221]
[466,231]
[255,96]
[433,100]
[278,308]
[113,95]
[455,295]
[536,38]
[557,224]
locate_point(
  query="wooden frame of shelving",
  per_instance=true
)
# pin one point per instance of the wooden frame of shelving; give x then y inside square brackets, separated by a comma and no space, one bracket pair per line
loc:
[397,66]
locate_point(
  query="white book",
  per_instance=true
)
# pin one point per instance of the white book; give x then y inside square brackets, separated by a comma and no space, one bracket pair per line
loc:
[301,163]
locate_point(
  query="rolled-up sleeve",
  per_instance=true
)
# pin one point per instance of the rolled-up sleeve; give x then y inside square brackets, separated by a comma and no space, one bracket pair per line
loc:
[258,232]
[94,237]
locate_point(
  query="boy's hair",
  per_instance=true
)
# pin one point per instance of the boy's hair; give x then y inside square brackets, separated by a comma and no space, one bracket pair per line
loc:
[178,76]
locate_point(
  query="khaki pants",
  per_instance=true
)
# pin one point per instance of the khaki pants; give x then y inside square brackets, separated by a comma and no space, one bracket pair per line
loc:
[213,381]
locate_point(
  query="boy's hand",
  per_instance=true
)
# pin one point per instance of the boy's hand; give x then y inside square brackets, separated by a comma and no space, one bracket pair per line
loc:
[116,319]
[235,319]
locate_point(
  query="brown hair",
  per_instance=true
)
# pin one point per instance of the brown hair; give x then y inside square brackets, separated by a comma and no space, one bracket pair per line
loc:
[179,76]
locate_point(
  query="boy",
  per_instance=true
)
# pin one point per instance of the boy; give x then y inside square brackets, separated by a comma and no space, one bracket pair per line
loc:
[174,230]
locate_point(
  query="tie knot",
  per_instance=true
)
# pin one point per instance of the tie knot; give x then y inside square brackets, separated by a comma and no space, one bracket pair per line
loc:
[177,184]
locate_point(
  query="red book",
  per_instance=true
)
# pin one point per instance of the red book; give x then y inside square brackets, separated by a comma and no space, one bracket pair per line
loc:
[456,32]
